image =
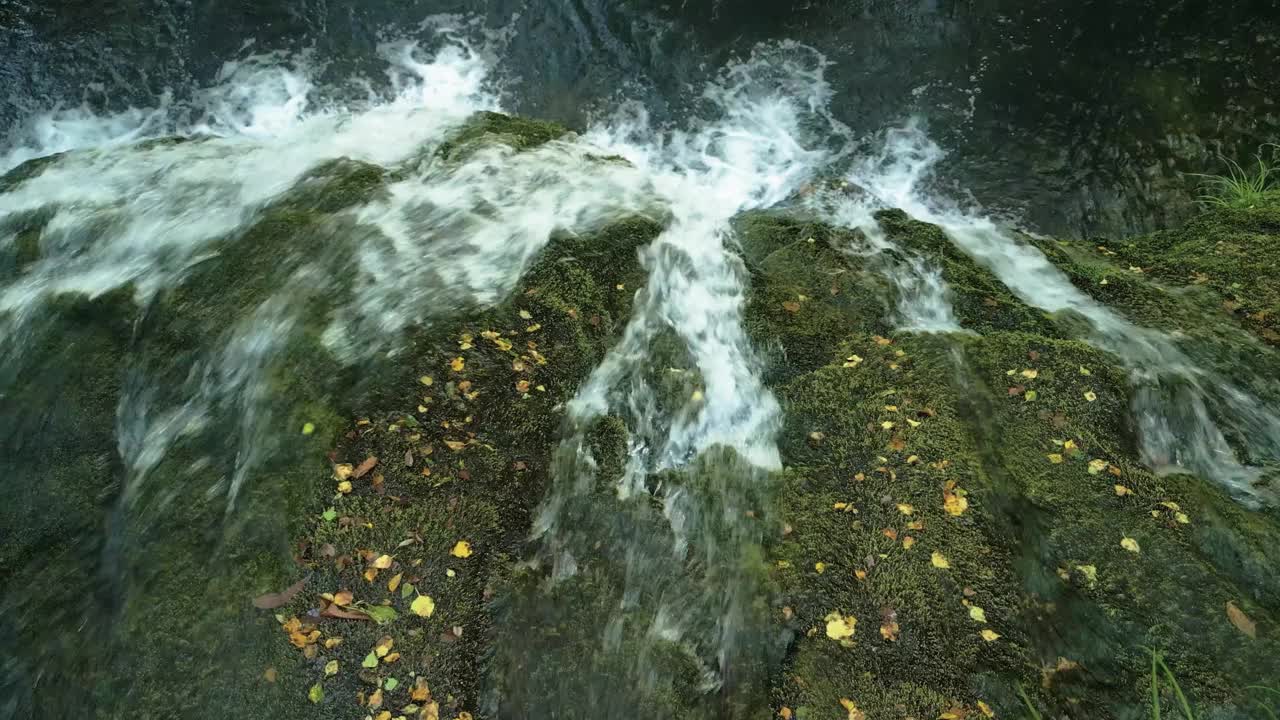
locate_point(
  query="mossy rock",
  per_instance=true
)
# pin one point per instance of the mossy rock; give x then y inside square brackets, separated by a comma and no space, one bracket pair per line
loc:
[1233,252]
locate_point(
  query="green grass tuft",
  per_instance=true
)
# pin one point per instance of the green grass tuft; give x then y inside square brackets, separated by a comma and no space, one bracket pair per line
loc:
[1243,187]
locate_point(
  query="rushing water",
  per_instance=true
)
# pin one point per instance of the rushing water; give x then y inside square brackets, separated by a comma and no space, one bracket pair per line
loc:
[119,213]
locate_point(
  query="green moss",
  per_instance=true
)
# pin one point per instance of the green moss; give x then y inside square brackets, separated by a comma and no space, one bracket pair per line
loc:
[13,179]
[487,127]
[466,457]
[1233,252]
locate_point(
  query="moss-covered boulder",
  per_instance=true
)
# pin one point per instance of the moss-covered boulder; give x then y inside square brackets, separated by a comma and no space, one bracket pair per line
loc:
[966,514]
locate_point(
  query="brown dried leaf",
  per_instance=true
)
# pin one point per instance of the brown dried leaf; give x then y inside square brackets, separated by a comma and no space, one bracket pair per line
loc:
[271,601]
[1241,621]
[363,468]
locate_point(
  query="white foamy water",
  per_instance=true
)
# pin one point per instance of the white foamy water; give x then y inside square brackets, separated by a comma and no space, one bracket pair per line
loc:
[1182,408]
[766,133]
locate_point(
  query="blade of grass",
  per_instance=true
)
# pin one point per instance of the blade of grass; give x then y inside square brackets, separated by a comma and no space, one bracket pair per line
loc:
[1022,692]
[1177,690]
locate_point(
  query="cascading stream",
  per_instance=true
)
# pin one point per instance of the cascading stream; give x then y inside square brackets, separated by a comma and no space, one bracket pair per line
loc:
[704,448]
[1183,410]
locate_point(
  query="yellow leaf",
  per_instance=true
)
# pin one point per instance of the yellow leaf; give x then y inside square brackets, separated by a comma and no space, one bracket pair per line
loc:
[344,487]
[907,542]
[852,361]
[1130,544]
[1030,374]
[420,691]
[426,380]
[840,627]
[308,428]
[526,315]
[394,582]
[1096,466]
[889,630]
[913,423]
[457,364]
[370,573]
[343,471]
[1055,458]
[820,567]
[423,606]
[316,693]
[1088,395]
[955,504]
[331,667]
[384,645]
[905,508]
[860,574]
[455,445]
[461,550]
[382,562]
[375,700]
[939,561]
[986,709]
[1182,518]
[1085,371]
[391,657]
[1121,491]
[270,674]
[990,635]
[977,613]
[384,715]
[886,425]
[1090,573]
[522,386]
[852,709]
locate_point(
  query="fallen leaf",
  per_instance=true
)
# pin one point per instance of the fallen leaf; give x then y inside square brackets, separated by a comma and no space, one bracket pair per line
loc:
[343,471]
[271,601]
[461,550]
[1121,490]
[954,503]
[1130,544]
[426,380]
[331,667]
[939,561]
[394,582]
[420,692]
[889,630]
[905,508]
[852,709]
[382,562]
[375,700]
[820,567]
[457,364]
[315,694]
[1090,396]
[985,709]
[363,468]
[270,674]
[791,306]
[990,635]
[907,542]
[1241,621]
[1055,458]
[1031,374]
[1096,466]
[423,606]
[308,428]
[977,613]
[370,661]
[840,627]
[384,645]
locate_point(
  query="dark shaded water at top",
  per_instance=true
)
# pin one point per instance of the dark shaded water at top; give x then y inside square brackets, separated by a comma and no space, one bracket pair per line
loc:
[1078,117]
